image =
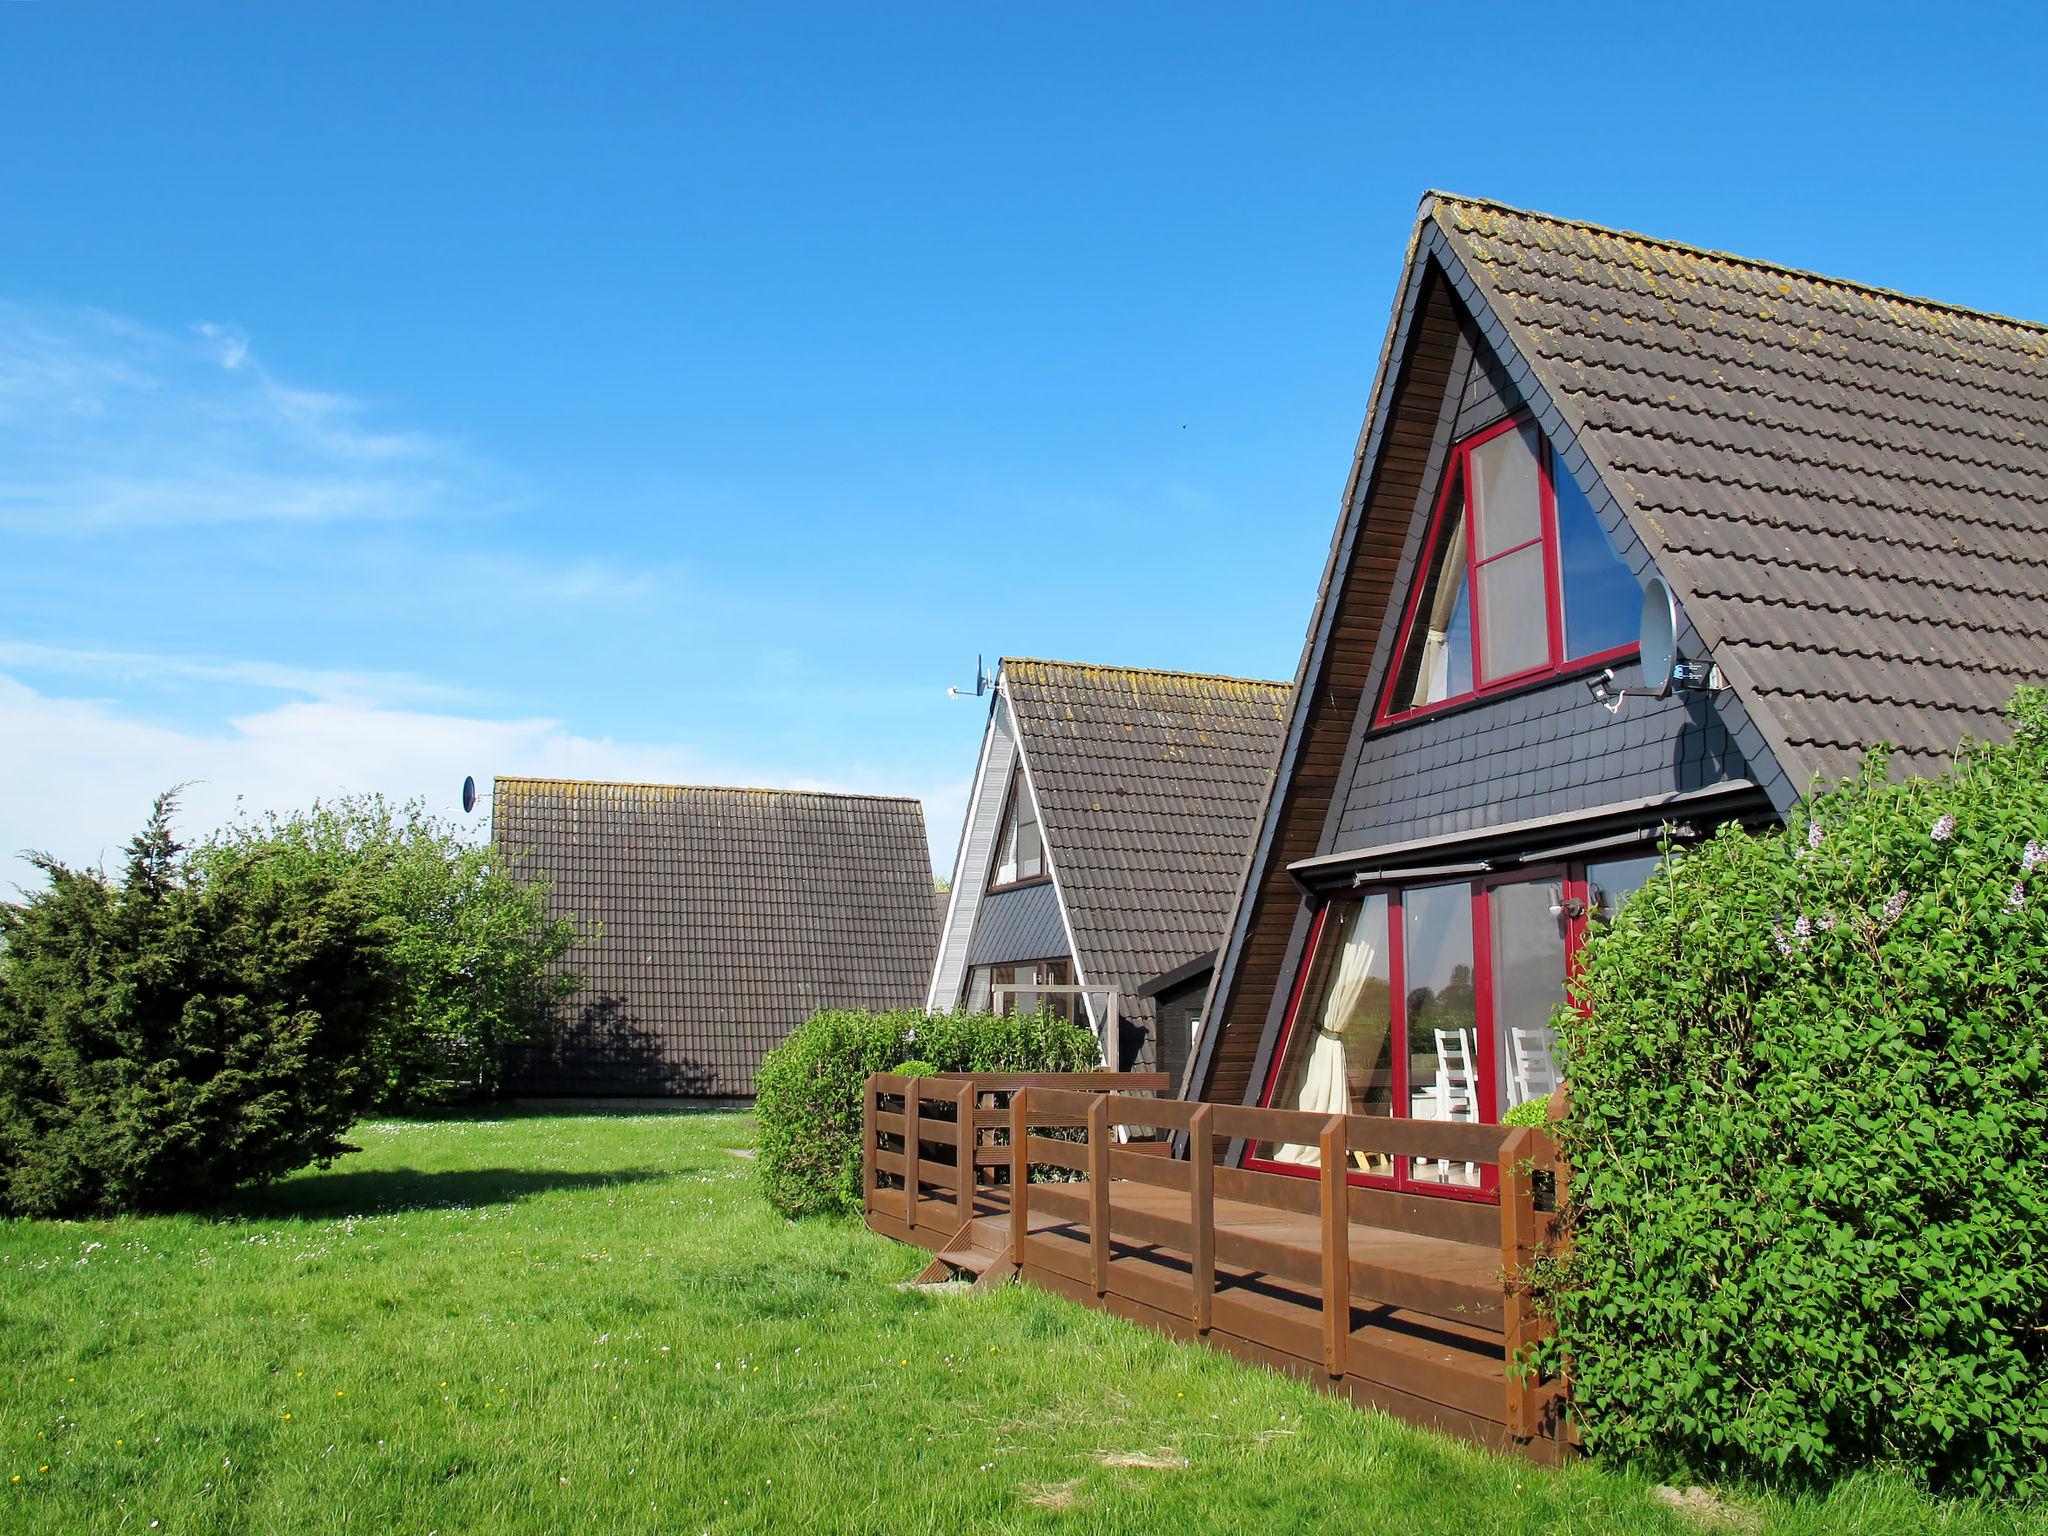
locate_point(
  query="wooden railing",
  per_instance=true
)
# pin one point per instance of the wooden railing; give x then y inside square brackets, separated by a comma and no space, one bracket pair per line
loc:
[1060,1144]
[955,1121]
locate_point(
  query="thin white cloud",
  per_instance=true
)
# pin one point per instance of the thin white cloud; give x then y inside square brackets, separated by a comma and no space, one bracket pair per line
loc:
[333,686]
[105,424]
[79,774]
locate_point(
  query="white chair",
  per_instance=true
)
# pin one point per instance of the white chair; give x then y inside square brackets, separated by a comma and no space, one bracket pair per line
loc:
[1532,1062]
[1454,1077]
[1456,1088]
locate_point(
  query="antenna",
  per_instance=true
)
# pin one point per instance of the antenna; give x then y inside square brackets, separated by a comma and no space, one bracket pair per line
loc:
[468,793]
[982,683]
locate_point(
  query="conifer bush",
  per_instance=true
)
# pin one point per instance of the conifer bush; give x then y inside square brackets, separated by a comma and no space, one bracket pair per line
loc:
[807,1091]
[166,1037]
[1808,1133]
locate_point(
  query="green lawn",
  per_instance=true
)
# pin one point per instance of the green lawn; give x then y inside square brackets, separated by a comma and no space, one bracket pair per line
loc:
[553,1324]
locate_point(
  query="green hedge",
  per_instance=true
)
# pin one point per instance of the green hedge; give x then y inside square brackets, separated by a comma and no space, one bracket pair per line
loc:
[807,1103]
[1809,1141]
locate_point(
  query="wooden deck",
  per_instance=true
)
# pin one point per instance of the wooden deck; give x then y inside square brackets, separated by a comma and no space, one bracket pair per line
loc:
[1060,1197]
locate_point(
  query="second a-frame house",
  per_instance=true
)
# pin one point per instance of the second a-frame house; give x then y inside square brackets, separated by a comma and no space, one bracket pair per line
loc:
[1842,491]
[1111,815]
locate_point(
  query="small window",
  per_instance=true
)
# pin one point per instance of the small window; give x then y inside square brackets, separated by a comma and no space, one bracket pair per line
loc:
[1520,579]
[1020,851]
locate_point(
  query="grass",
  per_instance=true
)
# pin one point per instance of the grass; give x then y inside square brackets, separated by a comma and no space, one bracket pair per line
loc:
[555,1324]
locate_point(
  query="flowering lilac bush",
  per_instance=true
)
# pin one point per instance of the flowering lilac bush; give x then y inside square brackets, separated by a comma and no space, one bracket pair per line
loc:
[1809,1140]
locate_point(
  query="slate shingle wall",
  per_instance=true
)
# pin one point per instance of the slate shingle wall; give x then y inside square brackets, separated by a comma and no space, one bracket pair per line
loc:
[727,917]
[1535,753]
[1021,924]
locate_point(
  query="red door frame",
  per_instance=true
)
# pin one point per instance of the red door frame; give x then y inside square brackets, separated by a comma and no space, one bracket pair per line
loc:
[1570,878]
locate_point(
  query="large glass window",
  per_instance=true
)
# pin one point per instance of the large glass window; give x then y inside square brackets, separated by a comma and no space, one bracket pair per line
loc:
[1520,578]
[1020,850]
[1434,1002]
[1344,1060]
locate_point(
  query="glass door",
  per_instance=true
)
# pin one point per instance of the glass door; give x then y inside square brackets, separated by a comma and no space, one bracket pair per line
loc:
[1339,1054]
[1532,921]
[1443,1047]
[1434,1002]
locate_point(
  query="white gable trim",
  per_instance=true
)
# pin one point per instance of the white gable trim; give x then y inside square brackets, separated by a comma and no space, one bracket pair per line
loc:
[1003,762]
[977,849]
[1052,870]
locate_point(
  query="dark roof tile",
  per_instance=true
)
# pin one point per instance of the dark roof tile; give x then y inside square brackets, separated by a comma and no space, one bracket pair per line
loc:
[1149,789]
[1849,486]
[722,919]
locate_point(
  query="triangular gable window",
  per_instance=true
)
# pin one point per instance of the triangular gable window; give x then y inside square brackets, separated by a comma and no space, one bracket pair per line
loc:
[1520,582]
[1020,850]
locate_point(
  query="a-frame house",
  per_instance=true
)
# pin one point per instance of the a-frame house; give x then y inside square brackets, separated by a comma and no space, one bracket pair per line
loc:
[1105,840]
[1846,491]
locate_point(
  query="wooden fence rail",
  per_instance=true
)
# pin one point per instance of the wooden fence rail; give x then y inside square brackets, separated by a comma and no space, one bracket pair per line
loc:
[1403,1299]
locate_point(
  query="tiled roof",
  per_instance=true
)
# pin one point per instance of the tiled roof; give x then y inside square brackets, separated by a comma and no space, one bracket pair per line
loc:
[1848,487]
[727,917]
[1149,789]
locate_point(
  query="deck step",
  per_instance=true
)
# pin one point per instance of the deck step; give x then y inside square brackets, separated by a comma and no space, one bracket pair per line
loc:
[974,1260]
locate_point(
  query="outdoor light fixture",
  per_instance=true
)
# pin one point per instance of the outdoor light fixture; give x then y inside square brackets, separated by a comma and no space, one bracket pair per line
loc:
[1562,905]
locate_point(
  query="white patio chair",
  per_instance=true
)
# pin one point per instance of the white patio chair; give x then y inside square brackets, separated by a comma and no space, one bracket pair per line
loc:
[1532,1061]
[1456,1087]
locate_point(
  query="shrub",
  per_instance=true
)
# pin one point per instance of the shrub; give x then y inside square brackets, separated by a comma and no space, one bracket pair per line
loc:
[477,951]
[1530,1112]
[1809,1140]
[807,1103]
[165,1038]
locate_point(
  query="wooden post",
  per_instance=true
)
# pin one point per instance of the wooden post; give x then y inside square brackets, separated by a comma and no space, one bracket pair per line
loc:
[1202,1214]
[963,1154]
[867,1146]
[1098,1192]
[910,1139]
[1020,1174]
[1336,1159]
[1517,1239]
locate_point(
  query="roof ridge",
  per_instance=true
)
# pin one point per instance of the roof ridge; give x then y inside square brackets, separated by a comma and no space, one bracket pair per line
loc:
[721,789]
[1103,666]
[1898,295]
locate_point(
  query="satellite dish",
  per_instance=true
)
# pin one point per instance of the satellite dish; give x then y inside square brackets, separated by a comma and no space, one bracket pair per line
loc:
[1659,637]
[1663,668]
[982,683]
[469,793]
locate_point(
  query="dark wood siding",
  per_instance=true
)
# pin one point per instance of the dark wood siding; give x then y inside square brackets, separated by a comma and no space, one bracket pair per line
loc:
[1417,430]
[1175,1012]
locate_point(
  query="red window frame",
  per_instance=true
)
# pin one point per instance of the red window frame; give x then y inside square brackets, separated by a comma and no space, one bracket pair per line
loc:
[1571,879]
[1457,476]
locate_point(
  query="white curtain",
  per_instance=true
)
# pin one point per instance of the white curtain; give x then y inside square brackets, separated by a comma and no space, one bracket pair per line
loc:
[1433,678]
[1326,1085]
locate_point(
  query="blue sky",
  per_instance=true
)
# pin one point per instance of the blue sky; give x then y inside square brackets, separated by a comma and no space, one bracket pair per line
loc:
[690,392]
